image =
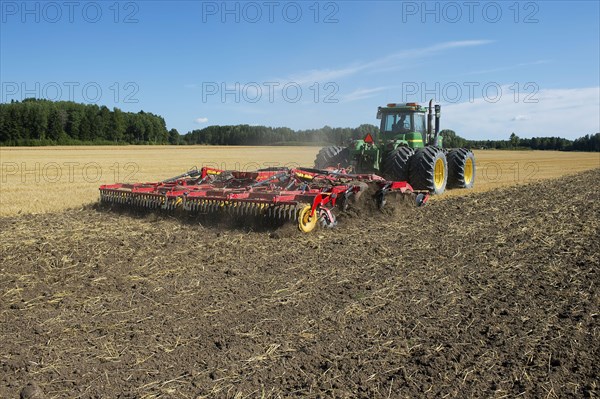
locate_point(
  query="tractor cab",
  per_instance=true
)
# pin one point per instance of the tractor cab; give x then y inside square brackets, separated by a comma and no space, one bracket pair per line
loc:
[403,123]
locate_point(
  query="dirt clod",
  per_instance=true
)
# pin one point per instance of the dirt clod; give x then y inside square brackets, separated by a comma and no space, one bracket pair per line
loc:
[32,391]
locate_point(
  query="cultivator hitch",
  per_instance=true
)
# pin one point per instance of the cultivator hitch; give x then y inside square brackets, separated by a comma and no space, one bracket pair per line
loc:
[276,195]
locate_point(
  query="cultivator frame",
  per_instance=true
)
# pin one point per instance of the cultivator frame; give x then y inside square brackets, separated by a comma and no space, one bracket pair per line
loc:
[302,195]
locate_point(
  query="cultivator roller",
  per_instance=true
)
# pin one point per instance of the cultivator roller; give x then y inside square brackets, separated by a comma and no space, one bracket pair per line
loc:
[304,196]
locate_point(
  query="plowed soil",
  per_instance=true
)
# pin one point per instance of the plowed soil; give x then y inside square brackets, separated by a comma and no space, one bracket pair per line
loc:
[490,295]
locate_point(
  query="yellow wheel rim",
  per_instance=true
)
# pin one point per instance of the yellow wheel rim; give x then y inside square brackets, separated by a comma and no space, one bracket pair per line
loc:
[306,223]
[468,171]
[438,173]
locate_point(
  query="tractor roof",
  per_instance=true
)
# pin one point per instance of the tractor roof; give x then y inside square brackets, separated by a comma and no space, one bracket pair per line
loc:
[403,107]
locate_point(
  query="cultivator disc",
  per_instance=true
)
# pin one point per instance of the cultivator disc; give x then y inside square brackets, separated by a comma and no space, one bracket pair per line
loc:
[304,196]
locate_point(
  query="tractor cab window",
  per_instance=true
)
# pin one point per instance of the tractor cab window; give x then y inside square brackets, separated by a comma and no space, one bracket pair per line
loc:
[419,123]
[397,123]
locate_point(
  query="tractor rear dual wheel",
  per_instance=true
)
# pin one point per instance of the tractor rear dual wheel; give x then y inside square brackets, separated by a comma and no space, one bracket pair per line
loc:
[332,157]
[428,170]
[396,164]
[461,168]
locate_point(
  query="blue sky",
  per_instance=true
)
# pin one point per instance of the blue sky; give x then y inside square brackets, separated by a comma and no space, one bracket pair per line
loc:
[530,67]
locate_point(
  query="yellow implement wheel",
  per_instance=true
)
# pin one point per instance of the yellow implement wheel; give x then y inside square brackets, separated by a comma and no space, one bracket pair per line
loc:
[307,223]
[439,174]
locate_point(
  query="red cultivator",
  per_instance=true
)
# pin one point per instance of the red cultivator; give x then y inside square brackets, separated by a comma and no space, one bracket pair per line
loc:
[276,195]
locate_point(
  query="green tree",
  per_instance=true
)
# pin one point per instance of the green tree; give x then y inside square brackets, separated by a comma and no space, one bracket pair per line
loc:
[173,136]
[55,125]
[514,140]
[452,140]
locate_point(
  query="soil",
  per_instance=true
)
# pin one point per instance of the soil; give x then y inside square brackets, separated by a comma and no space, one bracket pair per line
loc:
[489,295]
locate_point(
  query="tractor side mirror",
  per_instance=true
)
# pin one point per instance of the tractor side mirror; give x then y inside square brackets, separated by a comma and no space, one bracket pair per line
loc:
[378,113]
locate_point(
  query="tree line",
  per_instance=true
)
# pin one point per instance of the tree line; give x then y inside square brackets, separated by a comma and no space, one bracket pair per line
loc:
[264,135]
[589,142]
[44,122]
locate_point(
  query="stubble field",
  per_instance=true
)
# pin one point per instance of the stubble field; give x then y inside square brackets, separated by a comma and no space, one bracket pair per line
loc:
[35,180]
[492,294]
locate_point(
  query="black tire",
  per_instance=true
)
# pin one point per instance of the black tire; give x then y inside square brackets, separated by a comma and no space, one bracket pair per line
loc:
[395,165]
[461,168]
[332,156]
[422,170]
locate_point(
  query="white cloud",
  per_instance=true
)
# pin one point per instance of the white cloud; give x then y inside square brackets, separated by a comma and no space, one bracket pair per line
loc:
[506,68]
[568,113]
[331,74]
[361,94]
[325,78]
[200,121]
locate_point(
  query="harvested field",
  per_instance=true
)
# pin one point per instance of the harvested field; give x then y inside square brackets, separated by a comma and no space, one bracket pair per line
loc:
[492,294]
[36,180]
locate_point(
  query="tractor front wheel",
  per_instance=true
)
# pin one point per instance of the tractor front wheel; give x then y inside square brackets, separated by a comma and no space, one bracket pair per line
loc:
[395,164]
[461,168]
[332,156]
[428,170]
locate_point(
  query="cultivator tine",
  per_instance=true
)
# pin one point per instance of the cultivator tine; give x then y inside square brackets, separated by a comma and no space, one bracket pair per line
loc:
[286,210]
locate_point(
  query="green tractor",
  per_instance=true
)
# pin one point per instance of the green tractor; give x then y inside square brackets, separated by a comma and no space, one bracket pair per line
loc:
[408,148]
